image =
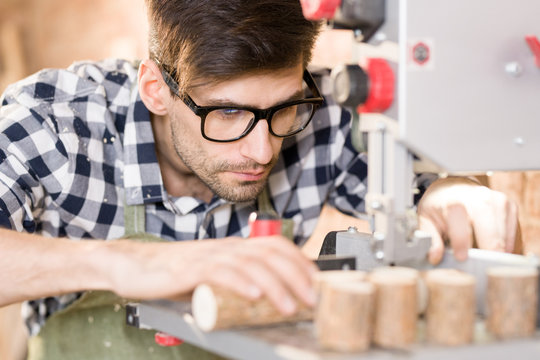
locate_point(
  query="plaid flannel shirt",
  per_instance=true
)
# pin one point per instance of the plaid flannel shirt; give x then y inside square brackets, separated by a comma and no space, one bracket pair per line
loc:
[77,144]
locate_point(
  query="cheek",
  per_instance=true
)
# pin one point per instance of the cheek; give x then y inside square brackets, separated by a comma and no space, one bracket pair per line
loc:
[192,147]
[276,144]
[185,139]
[185,128]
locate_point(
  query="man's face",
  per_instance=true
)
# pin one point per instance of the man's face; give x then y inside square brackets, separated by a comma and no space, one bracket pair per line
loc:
[236,171]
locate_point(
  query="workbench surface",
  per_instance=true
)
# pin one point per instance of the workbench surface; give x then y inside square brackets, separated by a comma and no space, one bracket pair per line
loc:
[297,340]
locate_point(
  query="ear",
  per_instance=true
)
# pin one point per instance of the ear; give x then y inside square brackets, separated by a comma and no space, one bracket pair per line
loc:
[154,93]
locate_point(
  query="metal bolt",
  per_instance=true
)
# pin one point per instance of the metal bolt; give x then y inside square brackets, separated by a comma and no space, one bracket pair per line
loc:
[513,68]
[377,245]
[358,36]
[352,229]
[379,37]
[519,141]
[376,205]
[381,126]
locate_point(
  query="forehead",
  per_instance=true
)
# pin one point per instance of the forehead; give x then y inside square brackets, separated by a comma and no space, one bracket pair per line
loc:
[262,89]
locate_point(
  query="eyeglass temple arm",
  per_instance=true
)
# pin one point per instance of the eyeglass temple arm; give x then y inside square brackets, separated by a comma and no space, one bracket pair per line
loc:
[308,78]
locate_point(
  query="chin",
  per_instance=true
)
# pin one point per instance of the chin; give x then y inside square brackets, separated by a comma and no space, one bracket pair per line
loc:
[241,193]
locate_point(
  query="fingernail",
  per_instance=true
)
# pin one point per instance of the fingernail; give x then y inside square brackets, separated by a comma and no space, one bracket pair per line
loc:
[311,297]
[254,292]
[432,257]
[461,255]
[288,305]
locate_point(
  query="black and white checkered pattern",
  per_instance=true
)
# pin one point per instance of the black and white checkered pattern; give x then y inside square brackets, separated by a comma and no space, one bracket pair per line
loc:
[75,143]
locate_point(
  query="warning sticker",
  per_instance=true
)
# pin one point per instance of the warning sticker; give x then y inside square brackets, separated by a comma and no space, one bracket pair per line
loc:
[420,54]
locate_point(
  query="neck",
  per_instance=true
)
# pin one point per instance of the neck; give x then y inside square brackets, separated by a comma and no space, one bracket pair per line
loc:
[178,179]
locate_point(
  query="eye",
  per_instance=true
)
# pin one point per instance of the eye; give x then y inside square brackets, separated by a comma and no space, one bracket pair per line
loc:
[230,114]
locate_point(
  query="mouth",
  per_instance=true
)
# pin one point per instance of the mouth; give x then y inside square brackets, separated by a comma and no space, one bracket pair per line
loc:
[248,176]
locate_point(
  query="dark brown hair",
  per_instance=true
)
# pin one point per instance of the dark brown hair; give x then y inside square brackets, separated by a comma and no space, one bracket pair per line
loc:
[216,40]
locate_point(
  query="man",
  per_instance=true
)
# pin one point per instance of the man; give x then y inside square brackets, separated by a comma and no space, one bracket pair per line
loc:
[222,113]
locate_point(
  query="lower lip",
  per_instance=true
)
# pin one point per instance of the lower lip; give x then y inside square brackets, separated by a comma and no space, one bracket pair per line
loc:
[248,177]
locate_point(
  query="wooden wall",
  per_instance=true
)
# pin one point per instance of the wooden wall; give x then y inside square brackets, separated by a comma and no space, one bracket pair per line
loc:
[36,34]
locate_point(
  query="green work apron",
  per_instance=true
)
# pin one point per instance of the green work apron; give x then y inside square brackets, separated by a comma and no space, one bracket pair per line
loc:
[94,326]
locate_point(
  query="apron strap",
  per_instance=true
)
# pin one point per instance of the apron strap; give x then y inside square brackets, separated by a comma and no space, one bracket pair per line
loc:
[265,205]
[134,219]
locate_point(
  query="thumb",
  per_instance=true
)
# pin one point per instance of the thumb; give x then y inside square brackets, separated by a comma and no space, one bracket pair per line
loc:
[459,230]
[437,246]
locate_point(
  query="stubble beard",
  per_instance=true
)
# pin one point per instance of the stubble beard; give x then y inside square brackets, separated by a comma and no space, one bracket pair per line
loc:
[208,171]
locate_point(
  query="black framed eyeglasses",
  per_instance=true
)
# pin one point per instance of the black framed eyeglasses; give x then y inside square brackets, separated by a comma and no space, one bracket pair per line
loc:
[231,123]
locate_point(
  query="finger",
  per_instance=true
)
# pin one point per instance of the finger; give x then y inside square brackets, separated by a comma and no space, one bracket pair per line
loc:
[459,230]
[287,248]
[230,277]
[489,221]
[511,226]
[292,275]
[284,248]
[270,284]
[290,265]
[437,246]
[272,264]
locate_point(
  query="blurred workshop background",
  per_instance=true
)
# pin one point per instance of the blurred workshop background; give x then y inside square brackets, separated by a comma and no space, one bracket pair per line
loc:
[36,34]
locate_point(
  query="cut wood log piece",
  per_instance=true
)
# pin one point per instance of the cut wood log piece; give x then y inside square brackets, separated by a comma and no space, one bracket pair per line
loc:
[511,301]
[215,308]
[344,316]
[451,309]
[396,306]
[323,278]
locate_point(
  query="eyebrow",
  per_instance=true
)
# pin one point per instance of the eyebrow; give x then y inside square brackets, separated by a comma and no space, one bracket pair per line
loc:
[299,95]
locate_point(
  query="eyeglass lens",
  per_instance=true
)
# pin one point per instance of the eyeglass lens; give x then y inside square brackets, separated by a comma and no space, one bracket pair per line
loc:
[227,124]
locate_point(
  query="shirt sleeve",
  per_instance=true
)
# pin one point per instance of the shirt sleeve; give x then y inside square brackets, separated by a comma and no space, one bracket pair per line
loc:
[16,195]
[347,168]
[30,151]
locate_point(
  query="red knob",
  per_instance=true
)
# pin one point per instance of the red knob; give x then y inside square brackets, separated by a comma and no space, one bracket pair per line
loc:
[381,86]
[319,9]
[534,45]
[264,224]
[166,339]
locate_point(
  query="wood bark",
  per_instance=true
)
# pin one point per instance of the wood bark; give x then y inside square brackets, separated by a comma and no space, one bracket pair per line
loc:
[396,306]
[511,301]
[323,278]
[451,309]
[344,316]
[215,308]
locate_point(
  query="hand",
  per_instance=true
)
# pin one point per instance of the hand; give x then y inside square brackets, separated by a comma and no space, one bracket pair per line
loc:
[460,211]
[269,266]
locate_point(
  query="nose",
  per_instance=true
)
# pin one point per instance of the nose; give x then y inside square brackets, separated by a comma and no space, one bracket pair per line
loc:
[257,145]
